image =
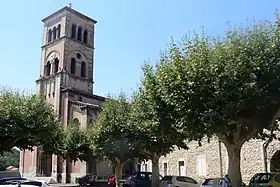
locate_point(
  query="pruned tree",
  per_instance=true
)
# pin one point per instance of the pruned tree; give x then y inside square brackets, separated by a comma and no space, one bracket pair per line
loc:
[109,134]
[76,144]
[27,121]
[152,123]
[227,87]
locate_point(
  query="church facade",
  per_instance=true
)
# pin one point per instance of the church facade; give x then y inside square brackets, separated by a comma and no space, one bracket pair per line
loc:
[66,81]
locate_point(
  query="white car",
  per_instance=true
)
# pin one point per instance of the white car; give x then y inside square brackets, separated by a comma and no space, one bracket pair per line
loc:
[16,185]
[22,182]
[178,181]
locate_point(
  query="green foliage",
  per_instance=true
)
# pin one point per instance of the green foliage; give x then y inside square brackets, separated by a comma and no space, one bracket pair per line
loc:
[225,87]
[76,145]
[108,135]
[27,121]
[228,87]
[10,158]
[153,122]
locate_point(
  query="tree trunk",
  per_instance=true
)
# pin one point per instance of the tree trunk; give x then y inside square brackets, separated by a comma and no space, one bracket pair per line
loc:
[118,172]
[155,171]
[234,164]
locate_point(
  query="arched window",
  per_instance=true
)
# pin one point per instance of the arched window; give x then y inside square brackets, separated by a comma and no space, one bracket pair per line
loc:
[83,69]
[56,65]
[73,66]
[76,122]
[80,34]
[85,36]
[73,32]
[58,31]
[50,35]
[48,68]
[54,33]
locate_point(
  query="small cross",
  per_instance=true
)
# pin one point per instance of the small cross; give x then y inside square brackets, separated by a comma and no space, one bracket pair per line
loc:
[70,5]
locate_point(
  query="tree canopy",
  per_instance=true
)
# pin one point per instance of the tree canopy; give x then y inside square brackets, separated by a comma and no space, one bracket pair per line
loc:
[152,122]
[27,121]
[227,87]
[109,134]
[76,144]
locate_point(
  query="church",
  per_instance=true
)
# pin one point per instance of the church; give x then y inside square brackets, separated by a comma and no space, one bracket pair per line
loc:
[66,81]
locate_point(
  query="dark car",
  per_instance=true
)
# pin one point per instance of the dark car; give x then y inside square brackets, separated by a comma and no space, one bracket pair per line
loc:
[85,180]
[139,179]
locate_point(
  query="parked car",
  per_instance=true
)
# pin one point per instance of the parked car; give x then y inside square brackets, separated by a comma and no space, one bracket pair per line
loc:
[112,180]
[22,181]
[216,182]
[139,179]
[84,180]
[175,181]
[265,179]
[6,174]
[18,185]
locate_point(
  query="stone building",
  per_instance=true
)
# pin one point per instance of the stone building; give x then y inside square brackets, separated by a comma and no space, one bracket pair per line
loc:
[210,160]
[66,81]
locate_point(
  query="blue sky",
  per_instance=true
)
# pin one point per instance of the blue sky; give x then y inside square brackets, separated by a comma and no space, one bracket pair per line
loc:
[128,33]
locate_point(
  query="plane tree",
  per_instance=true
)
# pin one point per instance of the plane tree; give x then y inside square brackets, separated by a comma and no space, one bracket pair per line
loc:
[76,144]
[153,122]
[225,87]
[109,134]
[27,121]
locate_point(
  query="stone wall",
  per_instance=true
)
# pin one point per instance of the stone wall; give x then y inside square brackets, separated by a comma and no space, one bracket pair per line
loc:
[252,160]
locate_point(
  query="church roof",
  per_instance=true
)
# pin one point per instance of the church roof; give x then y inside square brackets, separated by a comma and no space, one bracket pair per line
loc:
[84,104]
[93,96]
[69,10]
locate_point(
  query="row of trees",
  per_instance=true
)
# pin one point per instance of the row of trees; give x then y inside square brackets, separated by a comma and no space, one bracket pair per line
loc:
[205,87]
[223,87]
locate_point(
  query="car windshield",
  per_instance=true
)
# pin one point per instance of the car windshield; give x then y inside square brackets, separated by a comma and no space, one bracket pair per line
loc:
[167,178]
[208,182]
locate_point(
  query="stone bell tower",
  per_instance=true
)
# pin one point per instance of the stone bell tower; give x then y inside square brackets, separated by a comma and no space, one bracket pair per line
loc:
[66,82]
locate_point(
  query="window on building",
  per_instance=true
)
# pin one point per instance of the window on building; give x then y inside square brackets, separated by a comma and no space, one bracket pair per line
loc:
[182,171]
[138,167]
[80,34]
[50,35]
[48,68]
[201,165]
[83,69]
[73,31]
[54,33]
[146,167]
[58,31]
[165,169]
[79,56]
[73,66]
[85,36]
[80,98]
[56,65]
[76,122]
